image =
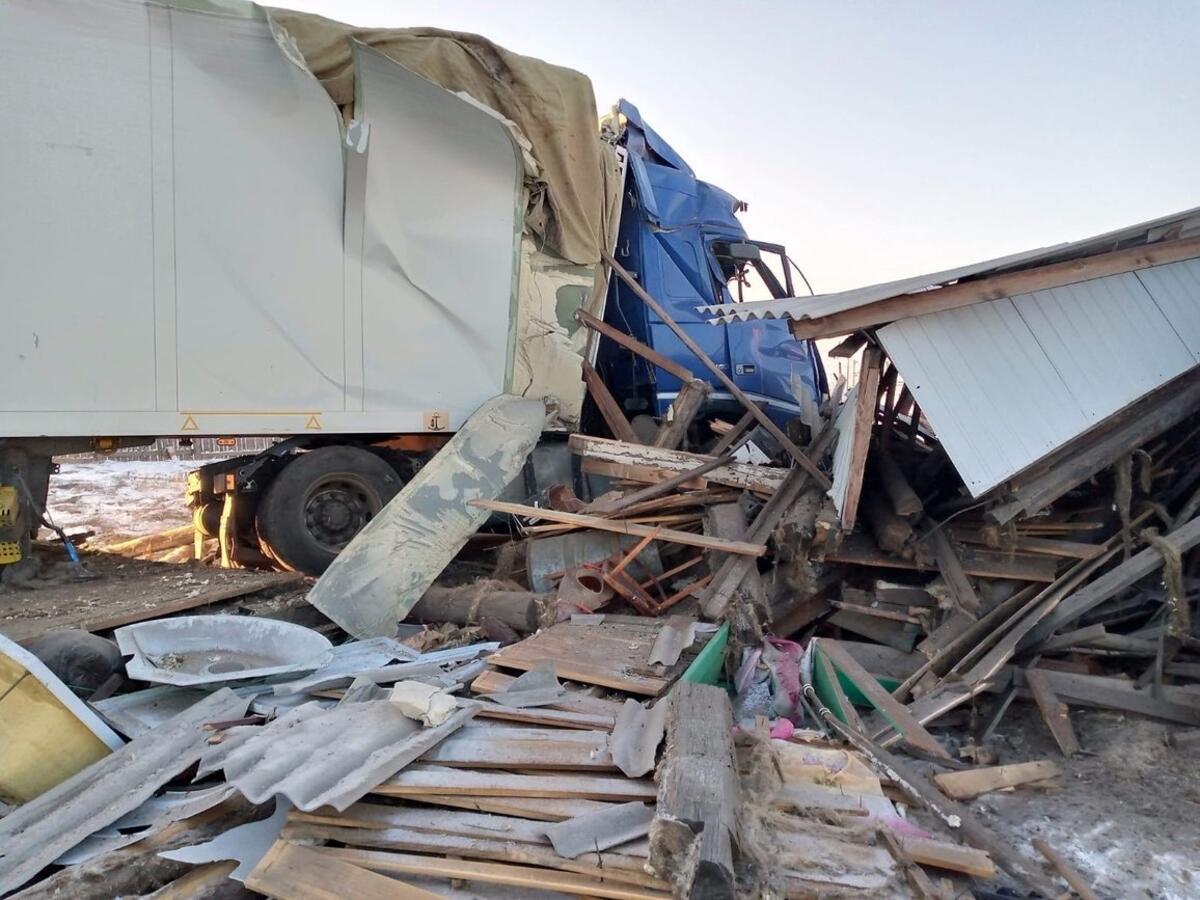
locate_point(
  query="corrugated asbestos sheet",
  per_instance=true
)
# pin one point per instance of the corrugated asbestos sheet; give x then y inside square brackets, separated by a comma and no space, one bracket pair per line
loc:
[1178,225]
[1008,381]
[845,426]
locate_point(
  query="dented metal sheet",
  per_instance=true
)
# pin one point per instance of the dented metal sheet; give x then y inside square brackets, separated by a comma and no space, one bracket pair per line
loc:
[317,757]
[376,580]
[193,650]
[43,829]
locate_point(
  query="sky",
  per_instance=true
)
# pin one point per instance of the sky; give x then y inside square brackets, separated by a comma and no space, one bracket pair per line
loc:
[884,139]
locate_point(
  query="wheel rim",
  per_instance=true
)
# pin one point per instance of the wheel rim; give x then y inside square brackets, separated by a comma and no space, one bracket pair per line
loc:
[337,508]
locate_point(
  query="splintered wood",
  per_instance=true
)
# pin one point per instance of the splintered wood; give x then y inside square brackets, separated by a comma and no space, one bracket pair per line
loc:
[611,654]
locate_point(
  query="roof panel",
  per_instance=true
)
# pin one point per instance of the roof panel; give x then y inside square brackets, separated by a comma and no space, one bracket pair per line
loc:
[1175,288]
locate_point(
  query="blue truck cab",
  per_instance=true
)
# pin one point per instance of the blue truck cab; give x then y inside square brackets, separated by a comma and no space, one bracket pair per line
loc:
[681,238]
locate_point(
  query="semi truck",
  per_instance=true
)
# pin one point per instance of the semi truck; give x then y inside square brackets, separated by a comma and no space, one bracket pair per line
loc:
[226,220]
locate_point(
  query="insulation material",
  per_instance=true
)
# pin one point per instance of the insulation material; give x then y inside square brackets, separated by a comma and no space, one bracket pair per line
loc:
[552,106]
[375,581]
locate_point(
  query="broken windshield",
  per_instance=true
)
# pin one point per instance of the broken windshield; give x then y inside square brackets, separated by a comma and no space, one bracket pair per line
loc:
[752,271]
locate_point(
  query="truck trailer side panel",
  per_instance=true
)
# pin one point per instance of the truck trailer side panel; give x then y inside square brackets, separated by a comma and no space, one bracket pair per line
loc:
[180,254]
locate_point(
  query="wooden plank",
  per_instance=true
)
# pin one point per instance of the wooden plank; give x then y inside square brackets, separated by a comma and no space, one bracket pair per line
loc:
[894,711]
[503,747]
[608,864]
[695,823]
[848,347]
[552,718]
[1054,712]
[1066,870]
[866,401]
[1114,581]
[971,783]
[608,653]
[618,526]
[609,408]
[859,550]
[684,409]
[729,438]
[954,857]
[956,580]
[524,877]
[801,459]
[621,504]
[416,781]
[633,345]
[541,809]
[153,543]
[996,287]
[290,872]
[664,462]
[921,884]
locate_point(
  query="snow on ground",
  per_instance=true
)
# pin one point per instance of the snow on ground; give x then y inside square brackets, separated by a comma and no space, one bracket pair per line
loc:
[120,499]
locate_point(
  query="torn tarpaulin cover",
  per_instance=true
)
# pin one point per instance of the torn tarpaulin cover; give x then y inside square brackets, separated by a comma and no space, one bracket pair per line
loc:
[376,580]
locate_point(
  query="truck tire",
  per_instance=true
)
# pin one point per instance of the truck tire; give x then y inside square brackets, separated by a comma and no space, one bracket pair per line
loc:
[313,508]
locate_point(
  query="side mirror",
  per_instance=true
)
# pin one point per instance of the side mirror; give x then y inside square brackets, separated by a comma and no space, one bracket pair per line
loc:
[745,251]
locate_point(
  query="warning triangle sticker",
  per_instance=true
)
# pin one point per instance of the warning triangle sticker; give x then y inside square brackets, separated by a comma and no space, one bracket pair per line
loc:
[189,424]
[312,424]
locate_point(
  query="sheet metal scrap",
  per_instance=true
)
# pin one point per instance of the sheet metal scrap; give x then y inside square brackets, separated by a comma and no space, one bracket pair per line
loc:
[370,587]
[317,757]
[36,834]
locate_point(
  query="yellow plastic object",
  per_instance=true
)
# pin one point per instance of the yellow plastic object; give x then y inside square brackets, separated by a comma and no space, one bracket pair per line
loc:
[44,742]
[10,551]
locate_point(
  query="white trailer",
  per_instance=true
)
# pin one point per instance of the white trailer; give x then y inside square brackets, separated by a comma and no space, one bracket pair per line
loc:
[193,241]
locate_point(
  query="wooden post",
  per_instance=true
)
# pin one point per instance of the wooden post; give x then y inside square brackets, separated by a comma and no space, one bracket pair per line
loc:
[1054,712]
[686,339]
[691,837]
[688,403]
[610,409]
[864,420]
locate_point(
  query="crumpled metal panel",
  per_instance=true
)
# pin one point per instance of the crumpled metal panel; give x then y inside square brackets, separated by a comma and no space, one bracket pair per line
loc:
[36,834]
[191,650]
[375,581]
[317,757]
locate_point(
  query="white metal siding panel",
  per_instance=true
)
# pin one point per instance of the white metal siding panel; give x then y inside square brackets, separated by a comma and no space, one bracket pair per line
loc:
[76,275]
[1005,383]
[1107,340]
[990,392]
[258,223]
[1175,287]
[440,233]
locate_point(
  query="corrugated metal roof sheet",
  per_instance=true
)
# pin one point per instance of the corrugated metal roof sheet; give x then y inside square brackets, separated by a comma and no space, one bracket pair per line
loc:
[1007,381]
[1181,224]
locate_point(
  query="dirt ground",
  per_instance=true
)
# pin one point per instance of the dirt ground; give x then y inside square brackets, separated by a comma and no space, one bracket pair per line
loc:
[1128,813]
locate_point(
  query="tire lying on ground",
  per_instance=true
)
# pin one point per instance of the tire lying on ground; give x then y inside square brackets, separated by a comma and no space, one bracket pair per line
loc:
[321,499]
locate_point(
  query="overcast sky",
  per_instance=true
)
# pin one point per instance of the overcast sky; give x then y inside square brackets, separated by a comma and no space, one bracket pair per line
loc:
[883,139]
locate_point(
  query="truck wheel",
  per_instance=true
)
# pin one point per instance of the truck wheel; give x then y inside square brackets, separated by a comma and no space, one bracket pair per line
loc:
[318,502]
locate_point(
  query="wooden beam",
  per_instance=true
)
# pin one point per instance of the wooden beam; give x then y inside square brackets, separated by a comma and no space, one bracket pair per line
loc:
[634,346]
[891,709]
[848,347]
[967,293]
[695,823]
[290,872]
[611,507]
[860,550]
[1066,870]
[744,476]
[956,579]
[970,784]
[619,526]
[684,409]
[527,878]
[903,498]
[686,339]
[610,409]
[1054,712]
[866,401]
[729,438]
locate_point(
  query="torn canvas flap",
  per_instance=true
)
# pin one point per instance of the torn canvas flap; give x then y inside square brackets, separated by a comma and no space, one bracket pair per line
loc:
[375,581]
